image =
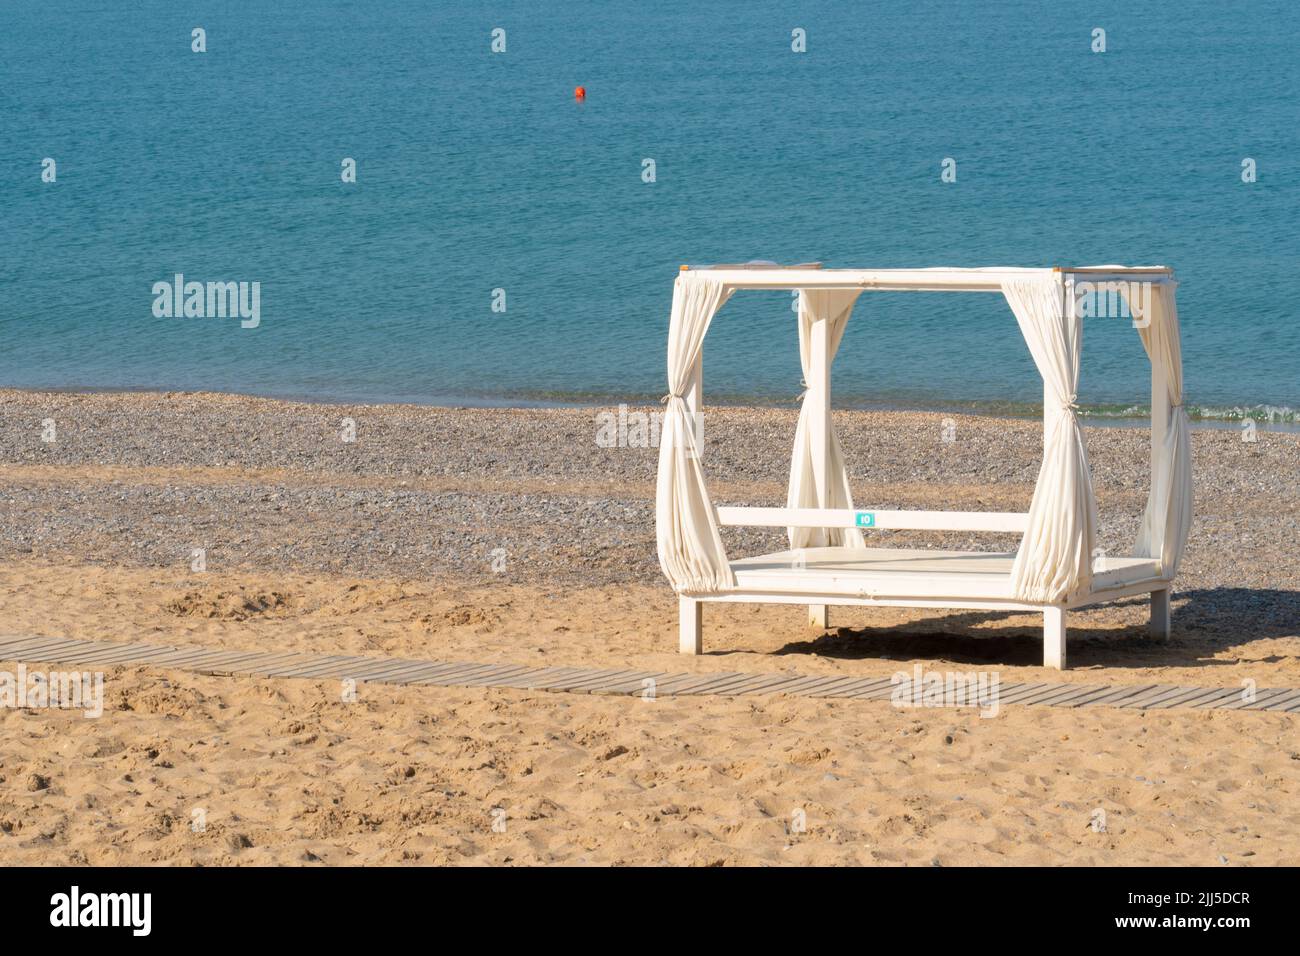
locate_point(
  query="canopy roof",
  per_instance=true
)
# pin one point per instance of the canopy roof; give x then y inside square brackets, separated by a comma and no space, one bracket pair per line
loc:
[940,279]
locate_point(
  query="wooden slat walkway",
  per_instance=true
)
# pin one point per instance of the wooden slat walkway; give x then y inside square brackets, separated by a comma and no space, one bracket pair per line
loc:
[624,681]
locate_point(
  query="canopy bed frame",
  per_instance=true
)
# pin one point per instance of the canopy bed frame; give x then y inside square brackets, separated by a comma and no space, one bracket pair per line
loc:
[828,561]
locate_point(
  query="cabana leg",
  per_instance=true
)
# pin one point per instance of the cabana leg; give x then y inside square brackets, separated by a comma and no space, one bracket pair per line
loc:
[690,619]
[818,616]
[1160,615]
[1054,638]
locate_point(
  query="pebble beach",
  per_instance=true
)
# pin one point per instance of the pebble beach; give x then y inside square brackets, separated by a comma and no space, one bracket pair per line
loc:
[526,535]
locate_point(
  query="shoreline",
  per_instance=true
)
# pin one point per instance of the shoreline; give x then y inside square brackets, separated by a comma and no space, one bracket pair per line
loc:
[1094,415]
[424,491]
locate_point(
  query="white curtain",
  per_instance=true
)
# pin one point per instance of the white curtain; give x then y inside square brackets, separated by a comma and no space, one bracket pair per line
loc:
[686,526]
[832,306]
[1168,516]
[1055,556]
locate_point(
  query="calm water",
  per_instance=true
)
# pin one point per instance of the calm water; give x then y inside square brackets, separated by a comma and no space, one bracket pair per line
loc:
[479,171]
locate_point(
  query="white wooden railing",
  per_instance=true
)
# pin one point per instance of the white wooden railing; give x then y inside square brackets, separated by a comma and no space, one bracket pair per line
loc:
[1004,521]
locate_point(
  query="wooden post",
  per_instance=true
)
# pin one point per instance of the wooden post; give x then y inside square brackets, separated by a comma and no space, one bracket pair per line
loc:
[695,403]
[1159,626]
[1051,403]
[690,622]
[1054,638]
[1159,426]
[818,402]
[690,617]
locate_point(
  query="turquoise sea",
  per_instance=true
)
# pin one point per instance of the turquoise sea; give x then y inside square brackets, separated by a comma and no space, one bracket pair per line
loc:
[479,171]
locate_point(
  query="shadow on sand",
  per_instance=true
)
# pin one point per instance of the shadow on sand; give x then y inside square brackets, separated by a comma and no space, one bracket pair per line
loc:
[1206,623]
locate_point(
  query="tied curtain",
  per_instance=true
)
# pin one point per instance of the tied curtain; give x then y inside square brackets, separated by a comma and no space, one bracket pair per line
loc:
[686,526]
[1168,516]
[832,306]
[1055,556]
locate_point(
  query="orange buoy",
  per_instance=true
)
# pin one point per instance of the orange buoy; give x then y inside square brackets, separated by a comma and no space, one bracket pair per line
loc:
[579,92]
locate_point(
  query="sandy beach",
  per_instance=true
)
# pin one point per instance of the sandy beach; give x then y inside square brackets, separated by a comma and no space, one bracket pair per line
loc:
[515,536]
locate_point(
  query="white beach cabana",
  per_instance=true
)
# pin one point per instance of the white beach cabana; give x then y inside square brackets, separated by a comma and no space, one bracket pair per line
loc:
[829,560]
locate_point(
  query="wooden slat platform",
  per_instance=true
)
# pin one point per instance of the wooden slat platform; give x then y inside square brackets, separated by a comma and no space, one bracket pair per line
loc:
[909,572]
[610,681]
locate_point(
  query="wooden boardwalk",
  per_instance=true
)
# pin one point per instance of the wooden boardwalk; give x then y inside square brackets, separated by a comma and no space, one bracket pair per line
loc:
[626,681]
